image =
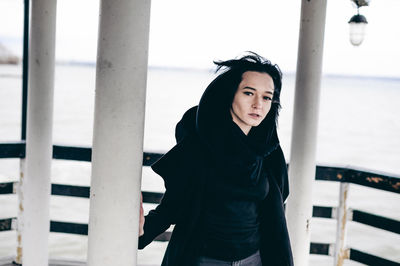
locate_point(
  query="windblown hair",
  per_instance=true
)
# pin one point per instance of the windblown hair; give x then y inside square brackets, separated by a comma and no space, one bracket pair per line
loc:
[231,76]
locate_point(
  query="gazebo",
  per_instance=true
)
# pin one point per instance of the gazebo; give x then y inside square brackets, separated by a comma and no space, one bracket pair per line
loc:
[117,152]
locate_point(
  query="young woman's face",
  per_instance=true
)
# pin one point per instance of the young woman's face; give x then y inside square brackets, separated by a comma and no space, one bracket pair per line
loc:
[252,100]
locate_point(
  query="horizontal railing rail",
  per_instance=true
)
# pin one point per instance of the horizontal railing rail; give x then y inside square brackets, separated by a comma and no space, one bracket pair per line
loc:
[17,150]
[70,228]
[376,221]
[7,188]
[327,173]
[315,248]
[362,217]
[12,150]
[369,259]
[69,190]
[324,173]
[6,224]
[359,177]
[354,255]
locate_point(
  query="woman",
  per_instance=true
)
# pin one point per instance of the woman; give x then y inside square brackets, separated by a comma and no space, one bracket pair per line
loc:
[226,178]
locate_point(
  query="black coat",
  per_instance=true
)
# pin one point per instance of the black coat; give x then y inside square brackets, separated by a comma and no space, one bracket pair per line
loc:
[209,144]
[185,169]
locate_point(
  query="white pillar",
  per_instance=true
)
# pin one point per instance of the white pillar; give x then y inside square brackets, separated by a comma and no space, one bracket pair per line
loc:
[36,185]
[305,119]
[118,132]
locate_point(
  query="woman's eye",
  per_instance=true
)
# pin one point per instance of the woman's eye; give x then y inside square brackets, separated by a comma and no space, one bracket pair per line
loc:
[248,93]
[267,98]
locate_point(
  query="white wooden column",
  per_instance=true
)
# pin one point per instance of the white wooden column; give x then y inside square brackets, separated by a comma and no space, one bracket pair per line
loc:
[118,132]
[35,191]
[305,120]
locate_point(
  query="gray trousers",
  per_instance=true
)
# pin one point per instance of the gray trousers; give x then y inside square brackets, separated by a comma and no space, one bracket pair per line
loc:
[252,260]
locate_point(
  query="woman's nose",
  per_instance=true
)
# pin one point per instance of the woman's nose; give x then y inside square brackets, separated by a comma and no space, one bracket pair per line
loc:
[257,103]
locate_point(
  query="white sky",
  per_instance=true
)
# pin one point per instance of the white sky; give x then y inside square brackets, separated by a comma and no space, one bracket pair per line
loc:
[194,33]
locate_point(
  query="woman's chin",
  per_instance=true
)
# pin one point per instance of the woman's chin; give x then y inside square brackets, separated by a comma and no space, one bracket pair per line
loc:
[254,124]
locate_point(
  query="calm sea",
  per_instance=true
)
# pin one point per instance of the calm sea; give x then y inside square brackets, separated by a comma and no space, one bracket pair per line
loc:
[359,126]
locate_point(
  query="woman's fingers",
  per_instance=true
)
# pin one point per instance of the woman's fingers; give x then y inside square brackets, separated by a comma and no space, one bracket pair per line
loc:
[141,219]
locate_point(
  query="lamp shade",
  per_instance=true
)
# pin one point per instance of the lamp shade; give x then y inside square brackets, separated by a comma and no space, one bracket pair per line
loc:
[357,29]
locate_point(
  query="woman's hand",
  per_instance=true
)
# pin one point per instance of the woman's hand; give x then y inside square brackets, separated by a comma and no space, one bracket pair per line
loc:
[141,219]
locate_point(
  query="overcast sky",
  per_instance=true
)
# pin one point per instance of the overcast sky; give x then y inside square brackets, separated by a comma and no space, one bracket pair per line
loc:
[194,33]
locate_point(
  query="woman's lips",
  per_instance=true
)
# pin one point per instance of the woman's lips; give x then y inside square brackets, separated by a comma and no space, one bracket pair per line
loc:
[255,116]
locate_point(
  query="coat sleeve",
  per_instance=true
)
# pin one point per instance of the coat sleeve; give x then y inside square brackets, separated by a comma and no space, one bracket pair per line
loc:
[160,219]
[171,168]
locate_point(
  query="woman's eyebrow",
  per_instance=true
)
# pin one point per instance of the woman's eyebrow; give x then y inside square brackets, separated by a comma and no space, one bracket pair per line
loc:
[250,88]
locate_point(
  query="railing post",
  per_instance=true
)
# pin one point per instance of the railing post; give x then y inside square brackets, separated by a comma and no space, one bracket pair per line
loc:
[36,184]
[20,219]
[25,69]
[117,156]
[342,216]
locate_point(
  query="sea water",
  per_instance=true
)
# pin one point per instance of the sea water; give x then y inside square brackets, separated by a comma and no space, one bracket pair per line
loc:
[359,127]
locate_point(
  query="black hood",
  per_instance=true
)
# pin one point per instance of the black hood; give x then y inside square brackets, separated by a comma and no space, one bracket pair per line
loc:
[214,121]
[234,152]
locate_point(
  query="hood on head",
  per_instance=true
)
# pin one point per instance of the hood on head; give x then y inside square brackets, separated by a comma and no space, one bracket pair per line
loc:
[236,154]
[187,125]
[214,121]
